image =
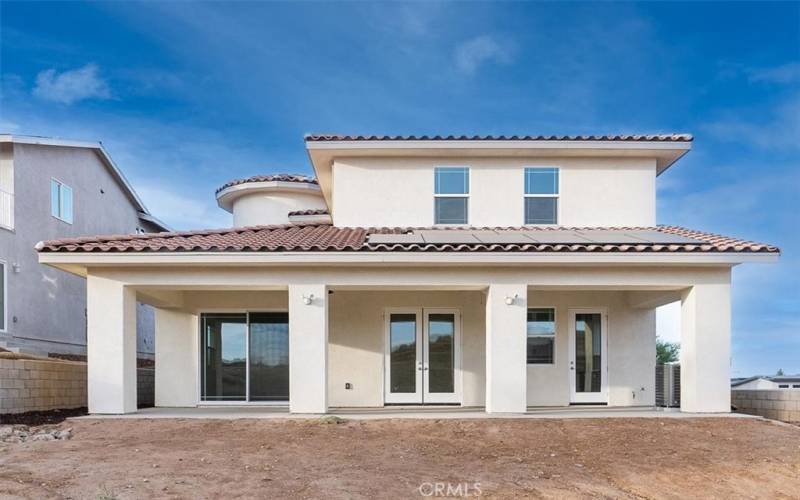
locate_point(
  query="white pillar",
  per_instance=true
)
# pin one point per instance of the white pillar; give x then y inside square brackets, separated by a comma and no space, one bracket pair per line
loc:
[506,349]
[111,346]
[308,348]
[177,358]
[706,349]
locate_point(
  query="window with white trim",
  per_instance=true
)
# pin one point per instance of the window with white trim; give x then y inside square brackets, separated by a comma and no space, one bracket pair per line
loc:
[541,336]
[60,201]
[3,296]
[451,195]
[541,195]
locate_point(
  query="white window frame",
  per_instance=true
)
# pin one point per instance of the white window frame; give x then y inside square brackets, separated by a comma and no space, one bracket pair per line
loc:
[557,196]
[554,336]
[4,325]
[457,195]
[62,185]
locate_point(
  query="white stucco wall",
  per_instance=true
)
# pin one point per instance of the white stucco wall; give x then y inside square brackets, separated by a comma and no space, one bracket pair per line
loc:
[263,208]
[177,358]
[356,342]
[400,191]
[631,344]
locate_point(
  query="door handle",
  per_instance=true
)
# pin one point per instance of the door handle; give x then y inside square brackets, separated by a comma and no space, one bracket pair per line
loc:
[419,366]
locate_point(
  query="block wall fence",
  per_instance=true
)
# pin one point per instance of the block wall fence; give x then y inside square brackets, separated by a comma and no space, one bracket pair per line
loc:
[777,404]
[48,384]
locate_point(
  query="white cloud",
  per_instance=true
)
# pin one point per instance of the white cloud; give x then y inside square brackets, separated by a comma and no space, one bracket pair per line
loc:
[183,211]
[770,129]
[72,85]
[784,74]
[471,54]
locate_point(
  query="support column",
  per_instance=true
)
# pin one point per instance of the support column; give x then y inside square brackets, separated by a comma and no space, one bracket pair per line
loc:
[177,358]
[506,349]
[111,346]
[706,349]
[308,348]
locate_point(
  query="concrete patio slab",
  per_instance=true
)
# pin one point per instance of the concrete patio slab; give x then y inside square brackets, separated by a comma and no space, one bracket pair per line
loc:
[262,412]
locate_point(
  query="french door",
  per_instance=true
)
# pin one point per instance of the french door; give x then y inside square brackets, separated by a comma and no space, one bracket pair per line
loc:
[422,358]
[588,340]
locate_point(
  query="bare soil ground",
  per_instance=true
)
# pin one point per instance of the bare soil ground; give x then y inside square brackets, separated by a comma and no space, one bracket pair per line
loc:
[499,458]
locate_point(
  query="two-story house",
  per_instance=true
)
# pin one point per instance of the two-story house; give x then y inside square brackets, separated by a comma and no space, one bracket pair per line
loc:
[493,272]
[49,189]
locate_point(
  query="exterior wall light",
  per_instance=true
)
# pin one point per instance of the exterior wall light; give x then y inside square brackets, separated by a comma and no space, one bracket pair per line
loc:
[308,299]
[511,299]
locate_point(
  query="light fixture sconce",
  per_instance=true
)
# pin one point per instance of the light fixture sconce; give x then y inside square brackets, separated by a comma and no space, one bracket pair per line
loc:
[16,267]
[308,299]
[511,299]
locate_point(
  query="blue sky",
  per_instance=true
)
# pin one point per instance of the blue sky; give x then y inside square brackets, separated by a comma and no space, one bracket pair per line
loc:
[187,96]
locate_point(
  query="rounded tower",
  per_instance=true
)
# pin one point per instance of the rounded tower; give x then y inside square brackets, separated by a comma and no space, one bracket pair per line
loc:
[273,199]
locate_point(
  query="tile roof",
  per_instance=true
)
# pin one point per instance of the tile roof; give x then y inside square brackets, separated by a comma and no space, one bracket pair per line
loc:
[620,137]
[325,237]
[270,178]
[318,211]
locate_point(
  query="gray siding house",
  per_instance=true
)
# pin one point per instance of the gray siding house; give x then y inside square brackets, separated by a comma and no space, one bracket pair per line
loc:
[50,188]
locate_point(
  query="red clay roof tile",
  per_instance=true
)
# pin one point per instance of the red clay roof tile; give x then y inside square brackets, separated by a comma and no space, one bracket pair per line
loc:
[325,237]
[269,178]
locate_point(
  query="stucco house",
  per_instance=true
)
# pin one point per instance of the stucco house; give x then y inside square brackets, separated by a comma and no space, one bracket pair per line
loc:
[761,382]
[502,273]
[52,188]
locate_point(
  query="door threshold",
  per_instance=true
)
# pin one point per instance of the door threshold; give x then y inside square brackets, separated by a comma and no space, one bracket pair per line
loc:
[588,404]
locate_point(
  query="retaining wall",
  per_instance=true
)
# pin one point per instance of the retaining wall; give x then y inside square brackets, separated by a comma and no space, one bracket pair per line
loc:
[41,384]
[30,383]
[777,404]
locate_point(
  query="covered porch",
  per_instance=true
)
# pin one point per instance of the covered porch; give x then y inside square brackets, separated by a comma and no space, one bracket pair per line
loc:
[332,339]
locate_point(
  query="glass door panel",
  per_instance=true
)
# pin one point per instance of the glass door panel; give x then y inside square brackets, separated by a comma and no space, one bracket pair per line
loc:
[224,347]
[403,360]
[441,352]
[587,363]
[269,356]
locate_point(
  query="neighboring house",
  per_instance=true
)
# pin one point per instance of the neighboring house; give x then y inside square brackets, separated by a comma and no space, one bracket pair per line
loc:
[495,272]
[51,188]
[759,382]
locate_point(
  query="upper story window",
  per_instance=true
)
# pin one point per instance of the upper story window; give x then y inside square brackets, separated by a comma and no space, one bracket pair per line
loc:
[451,195]
[541,336]
[541,195]
[60,201]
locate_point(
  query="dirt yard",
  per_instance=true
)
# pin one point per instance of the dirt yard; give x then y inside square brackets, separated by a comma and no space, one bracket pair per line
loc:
[493,458]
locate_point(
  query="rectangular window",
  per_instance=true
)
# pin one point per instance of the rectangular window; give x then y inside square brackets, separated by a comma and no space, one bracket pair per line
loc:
[451,185]
[541,336]
[541,195]
[60,201]
[3,296]
[783,386]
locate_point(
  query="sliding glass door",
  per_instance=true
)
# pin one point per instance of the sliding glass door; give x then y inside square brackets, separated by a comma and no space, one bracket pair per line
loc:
[269,357]
[245,357]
